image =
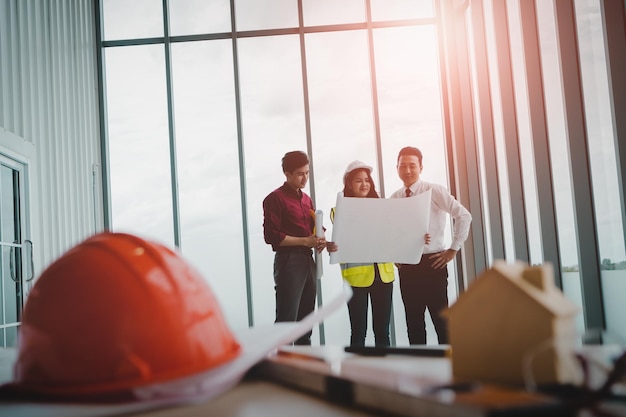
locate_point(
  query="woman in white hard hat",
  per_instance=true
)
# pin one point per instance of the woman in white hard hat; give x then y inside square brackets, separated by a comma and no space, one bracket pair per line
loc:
[369,281]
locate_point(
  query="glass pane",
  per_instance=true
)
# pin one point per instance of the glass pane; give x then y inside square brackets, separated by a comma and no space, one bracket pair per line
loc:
[409,94]
[563,198]
[11,285]
[192,17]
[342,130]
[266,14]
[332,12]
[132,19]
[401,9]
[273,124]
[141,195]
[11,336]
[604,173]
[208,169]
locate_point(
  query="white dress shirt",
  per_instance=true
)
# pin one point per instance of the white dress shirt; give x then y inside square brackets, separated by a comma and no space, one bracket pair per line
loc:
[442,203]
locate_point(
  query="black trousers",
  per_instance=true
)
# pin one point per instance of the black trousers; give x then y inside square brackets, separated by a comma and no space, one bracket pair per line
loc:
[296,287]
[381,295]
[422,287]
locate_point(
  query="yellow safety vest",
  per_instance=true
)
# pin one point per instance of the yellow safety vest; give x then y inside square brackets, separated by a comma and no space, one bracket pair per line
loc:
[362,275]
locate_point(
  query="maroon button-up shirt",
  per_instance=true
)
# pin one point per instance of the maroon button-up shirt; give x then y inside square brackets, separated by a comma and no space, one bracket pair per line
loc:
[287,212]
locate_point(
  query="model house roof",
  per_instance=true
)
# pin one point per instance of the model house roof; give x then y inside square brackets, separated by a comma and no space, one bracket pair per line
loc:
[534,282]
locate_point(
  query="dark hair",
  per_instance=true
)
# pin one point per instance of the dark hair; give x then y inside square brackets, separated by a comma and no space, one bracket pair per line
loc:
[347,191]
[410,150]
[294,160]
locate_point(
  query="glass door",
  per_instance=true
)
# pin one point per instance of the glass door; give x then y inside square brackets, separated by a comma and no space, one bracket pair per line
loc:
[14,249]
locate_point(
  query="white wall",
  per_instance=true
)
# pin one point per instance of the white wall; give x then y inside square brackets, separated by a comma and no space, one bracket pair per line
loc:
[48,89]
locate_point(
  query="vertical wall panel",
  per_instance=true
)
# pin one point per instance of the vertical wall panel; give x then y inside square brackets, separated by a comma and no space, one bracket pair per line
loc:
[539,134]
[463,140]
[582,192]
[49,98]
[614,15]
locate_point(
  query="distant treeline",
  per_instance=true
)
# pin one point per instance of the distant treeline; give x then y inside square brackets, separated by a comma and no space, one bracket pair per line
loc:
[606,265]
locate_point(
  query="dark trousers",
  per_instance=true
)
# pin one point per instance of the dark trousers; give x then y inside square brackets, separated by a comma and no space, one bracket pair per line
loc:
[423,287]
[380,293]
[296,287]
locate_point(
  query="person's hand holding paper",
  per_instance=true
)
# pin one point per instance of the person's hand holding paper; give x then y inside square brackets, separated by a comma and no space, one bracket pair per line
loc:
[380,230]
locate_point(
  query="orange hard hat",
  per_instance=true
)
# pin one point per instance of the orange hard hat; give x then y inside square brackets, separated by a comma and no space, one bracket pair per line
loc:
[118,312]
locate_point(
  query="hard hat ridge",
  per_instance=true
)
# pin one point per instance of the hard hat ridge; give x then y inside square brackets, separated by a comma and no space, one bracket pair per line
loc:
[356,165]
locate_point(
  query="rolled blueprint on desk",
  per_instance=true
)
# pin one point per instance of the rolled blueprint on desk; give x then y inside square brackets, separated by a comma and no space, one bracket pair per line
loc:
[380,229]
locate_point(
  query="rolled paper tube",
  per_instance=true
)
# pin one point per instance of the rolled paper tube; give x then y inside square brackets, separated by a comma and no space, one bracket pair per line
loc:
[319,232]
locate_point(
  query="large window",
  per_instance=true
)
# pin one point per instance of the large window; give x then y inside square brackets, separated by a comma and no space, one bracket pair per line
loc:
[545,108]
[601,139]
[199,120]
[510,101]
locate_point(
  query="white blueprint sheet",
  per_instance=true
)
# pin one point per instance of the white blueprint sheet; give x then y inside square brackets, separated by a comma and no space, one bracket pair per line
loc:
[380,229]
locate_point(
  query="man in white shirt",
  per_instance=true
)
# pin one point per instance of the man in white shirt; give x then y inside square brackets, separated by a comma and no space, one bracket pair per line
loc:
[425,285]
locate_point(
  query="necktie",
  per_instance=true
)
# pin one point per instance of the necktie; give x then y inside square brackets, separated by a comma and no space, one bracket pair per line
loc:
[408,192]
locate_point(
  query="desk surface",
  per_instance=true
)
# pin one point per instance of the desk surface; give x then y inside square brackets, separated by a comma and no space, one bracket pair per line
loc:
[341,385]
[252,397]
[399,385]
[258,398]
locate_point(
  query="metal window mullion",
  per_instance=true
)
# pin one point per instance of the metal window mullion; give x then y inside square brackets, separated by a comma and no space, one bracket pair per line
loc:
[511,133]
[103,118]
[539,135]
[446,79]
[377,134]
[576,133]
[309,142]
[242,165]
[167,46]
[374,86]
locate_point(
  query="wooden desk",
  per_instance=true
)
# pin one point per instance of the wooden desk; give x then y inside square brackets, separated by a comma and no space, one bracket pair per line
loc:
[252,397]
[258,398]
[324,381]
[399,385]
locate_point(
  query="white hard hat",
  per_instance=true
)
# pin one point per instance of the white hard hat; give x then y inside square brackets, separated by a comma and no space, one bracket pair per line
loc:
[356,165]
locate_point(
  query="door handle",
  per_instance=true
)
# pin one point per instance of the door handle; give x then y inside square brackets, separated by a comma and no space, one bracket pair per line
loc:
[31,272]
[12,262]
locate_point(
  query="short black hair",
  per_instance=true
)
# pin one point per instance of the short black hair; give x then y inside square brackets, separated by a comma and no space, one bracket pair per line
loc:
[294,160]
[410,150]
